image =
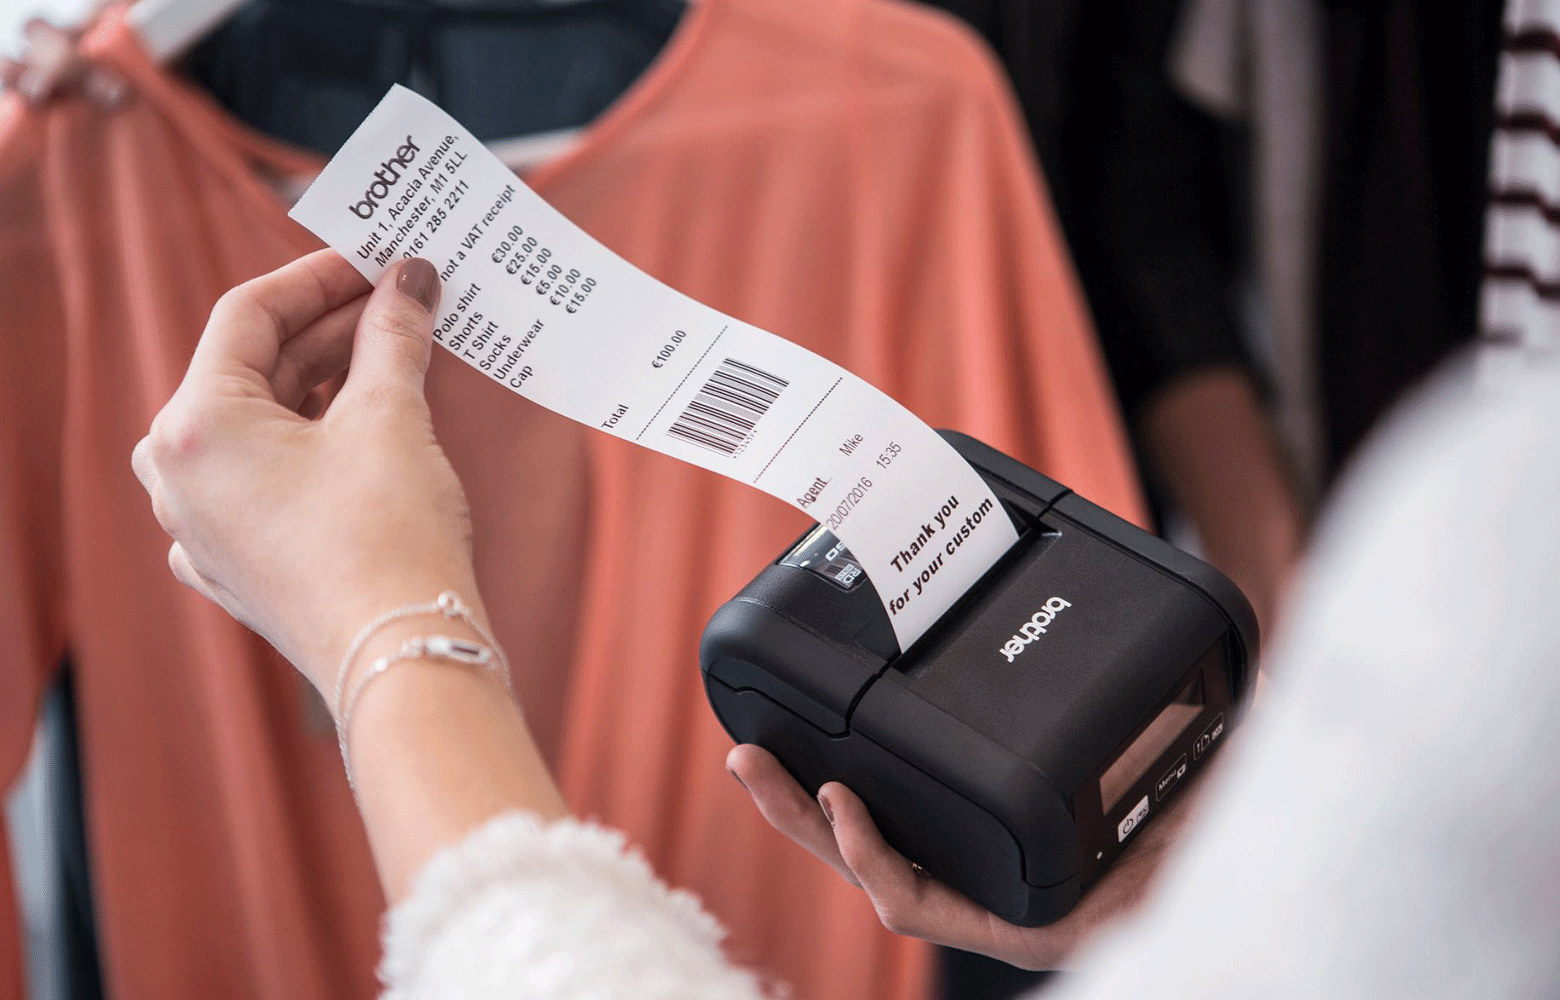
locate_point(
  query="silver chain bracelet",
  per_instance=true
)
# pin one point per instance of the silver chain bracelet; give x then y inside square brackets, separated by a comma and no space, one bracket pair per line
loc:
[447,604]
[450,606]
[463,652]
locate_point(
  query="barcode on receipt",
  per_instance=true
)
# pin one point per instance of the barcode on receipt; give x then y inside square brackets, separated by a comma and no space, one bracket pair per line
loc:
[726,410]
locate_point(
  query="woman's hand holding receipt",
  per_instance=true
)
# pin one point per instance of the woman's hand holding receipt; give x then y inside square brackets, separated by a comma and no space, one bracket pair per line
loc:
[303,528]
[306,513]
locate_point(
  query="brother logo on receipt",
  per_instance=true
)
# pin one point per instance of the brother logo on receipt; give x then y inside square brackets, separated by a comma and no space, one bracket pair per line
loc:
[386,177]
[546,311]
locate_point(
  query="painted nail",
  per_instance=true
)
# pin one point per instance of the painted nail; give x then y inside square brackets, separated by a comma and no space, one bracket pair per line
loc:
[828,813]
[420,282]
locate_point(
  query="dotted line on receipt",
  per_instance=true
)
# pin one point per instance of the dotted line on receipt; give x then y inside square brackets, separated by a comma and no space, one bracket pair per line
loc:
[797,428]
[685,378]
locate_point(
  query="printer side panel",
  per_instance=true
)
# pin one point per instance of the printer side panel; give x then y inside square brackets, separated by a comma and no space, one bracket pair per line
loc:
[955,840]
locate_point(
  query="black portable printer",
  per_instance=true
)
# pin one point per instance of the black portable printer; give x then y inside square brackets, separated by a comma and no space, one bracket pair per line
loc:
[1017,746]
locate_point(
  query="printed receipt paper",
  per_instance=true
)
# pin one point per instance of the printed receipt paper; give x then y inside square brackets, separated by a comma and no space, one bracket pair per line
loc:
[546,311]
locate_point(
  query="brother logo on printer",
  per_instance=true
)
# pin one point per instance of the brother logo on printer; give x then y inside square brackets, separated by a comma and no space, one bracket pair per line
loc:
[1033,629]
[385,178]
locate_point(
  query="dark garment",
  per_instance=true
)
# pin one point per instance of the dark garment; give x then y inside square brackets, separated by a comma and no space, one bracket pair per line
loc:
[1410,110]
[1142,182]
[1036,43]
[76,947]
[1139,177]
[336,58]
[968,976]
[1158,221]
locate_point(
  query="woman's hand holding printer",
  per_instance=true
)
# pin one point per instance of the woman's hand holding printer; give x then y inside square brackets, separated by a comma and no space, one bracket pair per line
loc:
[837,829]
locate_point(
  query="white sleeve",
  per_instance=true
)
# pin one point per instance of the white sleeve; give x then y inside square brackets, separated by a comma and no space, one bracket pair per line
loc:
[1386,825]
[548,911]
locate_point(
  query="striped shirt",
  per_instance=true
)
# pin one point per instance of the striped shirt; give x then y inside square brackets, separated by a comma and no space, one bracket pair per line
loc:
[1520,312]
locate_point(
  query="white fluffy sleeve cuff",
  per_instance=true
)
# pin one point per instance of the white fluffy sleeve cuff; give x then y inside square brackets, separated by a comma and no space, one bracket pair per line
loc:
[548,911]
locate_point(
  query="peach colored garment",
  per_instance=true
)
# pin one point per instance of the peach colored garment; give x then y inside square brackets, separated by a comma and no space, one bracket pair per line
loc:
[228,859]
[848,174]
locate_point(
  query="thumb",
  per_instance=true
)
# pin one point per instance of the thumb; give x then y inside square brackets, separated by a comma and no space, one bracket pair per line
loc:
[395,336]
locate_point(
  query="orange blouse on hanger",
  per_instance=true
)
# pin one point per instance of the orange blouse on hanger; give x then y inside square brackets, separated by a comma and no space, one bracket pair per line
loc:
[850,175]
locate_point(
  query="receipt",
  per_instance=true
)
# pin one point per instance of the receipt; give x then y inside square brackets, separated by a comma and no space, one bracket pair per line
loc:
[544,310]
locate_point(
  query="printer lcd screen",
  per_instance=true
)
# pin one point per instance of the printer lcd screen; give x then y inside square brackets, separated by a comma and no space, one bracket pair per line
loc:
[1156,737]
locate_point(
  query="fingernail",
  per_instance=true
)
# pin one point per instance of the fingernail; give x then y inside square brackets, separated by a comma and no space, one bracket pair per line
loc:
[828,813]
[738,777]
[419,281]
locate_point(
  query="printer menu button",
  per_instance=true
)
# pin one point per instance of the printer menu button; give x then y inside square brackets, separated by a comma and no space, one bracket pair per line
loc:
[1170,779]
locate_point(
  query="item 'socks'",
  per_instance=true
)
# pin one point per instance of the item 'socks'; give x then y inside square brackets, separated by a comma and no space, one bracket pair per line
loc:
[546,311]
